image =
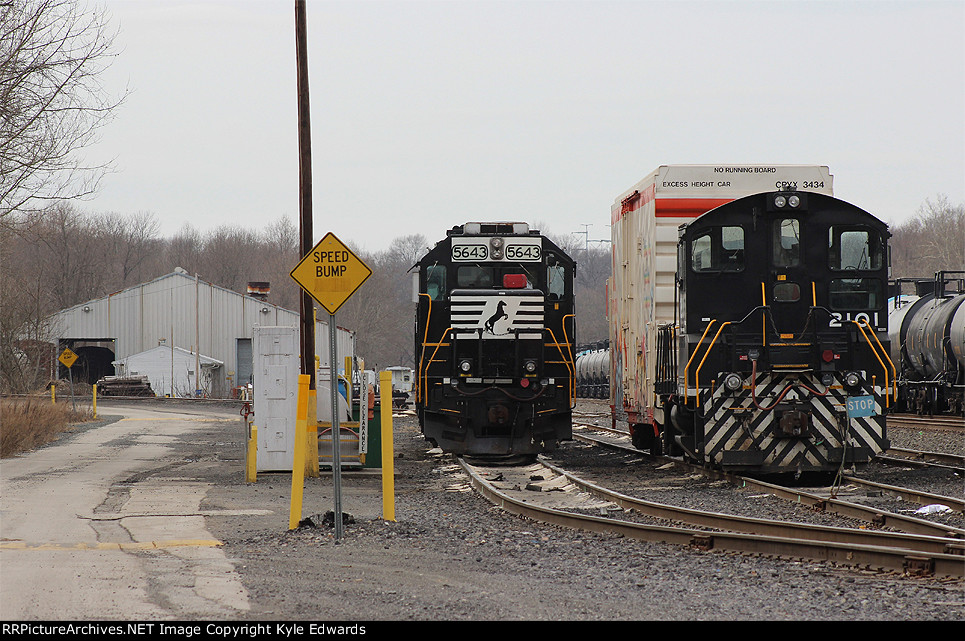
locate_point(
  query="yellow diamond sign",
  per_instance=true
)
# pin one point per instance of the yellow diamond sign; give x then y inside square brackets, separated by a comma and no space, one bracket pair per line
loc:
[331,273]
[67,357]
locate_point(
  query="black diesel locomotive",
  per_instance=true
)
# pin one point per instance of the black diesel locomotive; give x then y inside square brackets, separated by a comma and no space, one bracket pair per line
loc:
[493,341]
[781,361]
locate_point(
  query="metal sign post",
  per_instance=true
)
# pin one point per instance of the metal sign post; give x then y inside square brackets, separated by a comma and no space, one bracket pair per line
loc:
[336,427]
[855,407]
[331,273]
[68,358]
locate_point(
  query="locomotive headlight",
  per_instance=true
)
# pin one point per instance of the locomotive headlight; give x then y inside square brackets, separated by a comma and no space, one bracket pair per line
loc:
[780,201]
[465,366]
[496,242]
[851,379]
[733,382]
[530,367]
[793,201]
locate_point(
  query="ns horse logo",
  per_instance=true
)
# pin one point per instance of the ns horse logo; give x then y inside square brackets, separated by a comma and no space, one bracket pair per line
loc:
[490,324]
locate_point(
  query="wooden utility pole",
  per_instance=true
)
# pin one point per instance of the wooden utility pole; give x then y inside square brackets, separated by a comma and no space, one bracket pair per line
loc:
[305,187]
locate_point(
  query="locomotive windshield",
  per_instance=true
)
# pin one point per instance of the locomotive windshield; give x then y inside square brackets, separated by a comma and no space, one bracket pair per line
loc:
[436,282]
[485,276]
[854,249]
[719,249]
[787,243]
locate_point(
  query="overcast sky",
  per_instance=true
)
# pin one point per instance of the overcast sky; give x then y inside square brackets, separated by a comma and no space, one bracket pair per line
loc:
[425,115]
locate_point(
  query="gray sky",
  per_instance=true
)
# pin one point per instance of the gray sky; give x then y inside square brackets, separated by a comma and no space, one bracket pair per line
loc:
[431,114]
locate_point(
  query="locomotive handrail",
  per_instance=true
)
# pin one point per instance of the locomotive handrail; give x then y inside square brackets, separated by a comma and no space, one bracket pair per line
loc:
[692,356]
[571,392]
[706,354]
[569,348]
[422,356]
[763,317]
[894,370]
[875,352]
[432,358]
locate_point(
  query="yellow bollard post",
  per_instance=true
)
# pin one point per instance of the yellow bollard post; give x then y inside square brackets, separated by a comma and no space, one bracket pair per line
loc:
[94,387]
[53,393]
[298,461]
[311,458]
[388,467]
[251,467]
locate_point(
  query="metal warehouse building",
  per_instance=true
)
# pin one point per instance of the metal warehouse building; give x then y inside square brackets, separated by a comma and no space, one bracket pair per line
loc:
[182,313]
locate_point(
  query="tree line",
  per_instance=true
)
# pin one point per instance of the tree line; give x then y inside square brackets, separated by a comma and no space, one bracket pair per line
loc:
[62,256]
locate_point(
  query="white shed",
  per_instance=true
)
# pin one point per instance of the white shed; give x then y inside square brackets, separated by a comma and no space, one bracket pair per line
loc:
[171,370]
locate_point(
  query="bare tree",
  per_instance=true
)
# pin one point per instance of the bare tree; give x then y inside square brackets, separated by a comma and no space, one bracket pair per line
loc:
[52,104]
[70,251]
[593,270]
[280,247]
[934,240]
[129,241]
[228,256]
[184,250]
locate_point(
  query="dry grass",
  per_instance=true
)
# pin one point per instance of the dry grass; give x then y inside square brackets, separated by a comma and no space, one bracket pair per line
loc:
[28,423]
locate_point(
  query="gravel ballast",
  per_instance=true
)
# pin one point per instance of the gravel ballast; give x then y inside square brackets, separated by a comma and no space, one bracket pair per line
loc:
[451,556]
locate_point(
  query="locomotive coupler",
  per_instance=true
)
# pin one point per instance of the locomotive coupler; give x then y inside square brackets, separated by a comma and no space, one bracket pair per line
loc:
[792,422]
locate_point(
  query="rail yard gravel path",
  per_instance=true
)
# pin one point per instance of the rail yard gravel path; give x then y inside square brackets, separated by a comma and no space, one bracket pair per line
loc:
[451,556]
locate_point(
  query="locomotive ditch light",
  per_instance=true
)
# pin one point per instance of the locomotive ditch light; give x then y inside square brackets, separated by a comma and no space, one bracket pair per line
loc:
[851,379]
[827,380]
[733,382]
[465,366]
[529,366]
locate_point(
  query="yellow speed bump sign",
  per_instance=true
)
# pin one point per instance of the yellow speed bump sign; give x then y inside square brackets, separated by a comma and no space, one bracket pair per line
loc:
[330,273]
[67,357]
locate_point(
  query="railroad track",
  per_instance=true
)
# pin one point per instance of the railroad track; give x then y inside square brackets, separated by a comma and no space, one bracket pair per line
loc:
[902,456]
[906,421]
[830,503]
[547,493]
[894,455]
[913,421]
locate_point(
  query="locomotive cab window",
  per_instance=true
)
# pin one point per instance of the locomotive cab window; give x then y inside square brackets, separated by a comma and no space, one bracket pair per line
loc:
[509,277]
[787,292]
[474,277]
[718,249]
[853,249]
[855,294]
[436,282]
[556,282]
[786,248]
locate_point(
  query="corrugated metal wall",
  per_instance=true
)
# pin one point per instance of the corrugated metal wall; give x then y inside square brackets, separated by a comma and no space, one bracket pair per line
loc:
[189,313]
